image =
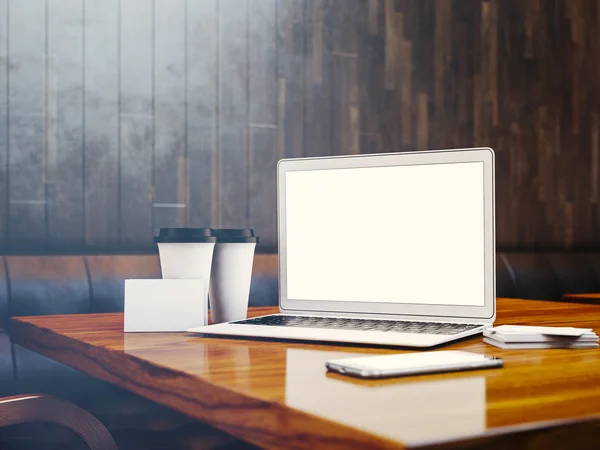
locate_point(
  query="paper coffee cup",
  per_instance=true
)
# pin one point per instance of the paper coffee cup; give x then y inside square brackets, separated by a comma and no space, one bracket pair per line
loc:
[186,252]
[231,274]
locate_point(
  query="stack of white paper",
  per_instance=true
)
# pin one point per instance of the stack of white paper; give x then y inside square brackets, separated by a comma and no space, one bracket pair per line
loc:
[522,337]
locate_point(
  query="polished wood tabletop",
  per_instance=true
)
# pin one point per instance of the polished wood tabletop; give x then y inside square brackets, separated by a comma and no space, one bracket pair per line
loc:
[279,395]
[583,298]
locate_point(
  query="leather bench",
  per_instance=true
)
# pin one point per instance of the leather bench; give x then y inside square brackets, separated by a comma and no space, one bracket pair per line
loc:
[71,284]
[546,275]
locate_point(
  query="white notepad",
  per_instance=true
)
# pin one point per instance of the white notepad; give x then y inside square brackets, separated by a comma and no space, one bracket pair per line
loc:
[526,330]
[586,337]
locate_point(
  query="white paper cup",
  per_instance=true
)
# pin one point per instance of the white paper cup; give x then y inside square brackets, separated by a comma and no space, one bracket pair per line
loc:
[231,274]
[185,252]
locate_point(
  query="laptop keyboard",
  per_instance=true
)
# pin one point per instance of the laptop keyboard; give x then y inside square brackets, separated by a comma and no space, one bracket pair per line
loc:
[359,324]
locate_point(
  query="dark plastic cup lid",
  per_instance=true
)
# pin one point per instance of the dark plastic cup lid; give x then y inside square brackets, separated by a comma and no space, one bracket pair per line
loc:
[183,235]
[234,235]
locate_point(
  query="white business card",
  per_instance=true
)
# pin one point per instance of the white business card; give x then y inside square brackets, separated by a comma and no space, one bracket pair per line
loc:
[161,305]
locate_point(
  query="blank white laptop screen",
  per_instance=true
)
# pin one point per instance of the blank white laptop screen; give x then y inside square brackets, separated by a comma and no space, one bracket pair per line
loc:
[403,234]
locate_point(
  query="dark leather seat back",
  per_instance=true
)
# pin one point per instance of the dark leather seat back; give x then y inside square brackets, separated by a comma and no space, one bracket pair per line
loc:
[42,285]
[534,276]
[593,260]
[108,274]
[505,282]
[6,362]
[6,365]
[4,308]
[573,272]
[264,288]
[264,291]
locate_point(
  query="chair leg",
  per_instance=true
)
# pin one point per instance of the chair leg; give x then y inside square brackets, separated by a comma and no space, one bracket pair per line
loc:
[44,408]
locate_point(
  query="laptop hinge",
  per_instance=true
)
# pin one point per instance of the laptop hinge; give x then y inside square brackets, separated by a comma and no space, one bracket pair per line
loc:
[446,319]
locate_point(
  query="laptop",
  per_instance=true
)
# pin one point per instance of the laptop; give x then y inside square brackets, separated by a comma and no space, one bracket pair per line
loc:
[390,249]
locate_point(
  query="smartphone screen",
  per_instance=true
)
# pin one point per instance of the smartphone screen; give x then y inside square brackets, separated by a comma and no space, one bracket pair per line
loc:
[412,363]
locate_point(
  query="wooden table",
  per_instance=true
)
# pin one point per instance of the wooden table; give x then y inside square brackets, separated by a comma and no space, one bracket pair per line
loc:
[278,395]
[593,298]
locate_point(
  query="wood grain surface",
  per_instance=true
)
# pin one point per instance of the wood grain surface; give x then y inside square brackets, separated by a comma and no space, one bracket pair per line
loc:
[122,116]
[278,394]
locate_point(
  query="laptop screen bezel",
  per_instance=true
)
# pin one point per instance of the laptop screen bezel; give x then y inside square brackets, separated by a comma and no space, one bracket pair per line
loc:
[485,313]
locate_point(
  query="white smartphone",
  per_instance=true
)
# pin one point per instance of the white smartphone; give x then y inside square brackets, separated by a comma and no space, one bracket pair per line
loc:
[383,366]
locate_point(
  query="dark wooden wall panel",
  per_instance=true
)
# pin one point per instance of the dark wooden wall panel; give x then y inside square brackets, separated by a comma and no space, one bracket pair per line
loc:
[291,54]
[262,64]
[101,122]
[318,131]
[27,122]
[395,115]
[3,121]
[345,111]
[136,122]
[233,114]
[344,78]
[202,82]
[64,122]
[262,117]
[176,112]
[170,172]
[262,164]
[371,90]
